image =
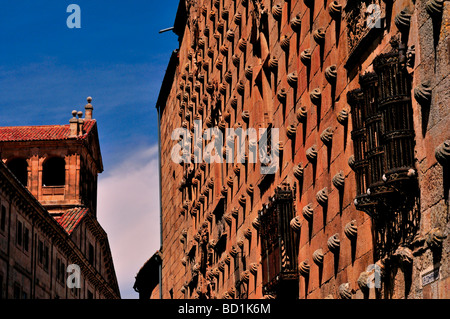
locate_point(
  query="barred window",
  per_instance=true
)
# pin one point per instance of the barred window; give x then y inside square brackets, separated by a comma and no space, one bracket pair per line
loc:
[383,132]
[278,249]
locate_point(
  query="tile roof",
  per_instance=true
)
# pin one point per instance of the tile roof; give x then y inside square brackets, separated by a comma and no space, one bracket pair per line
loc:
[41,132]
[70,219]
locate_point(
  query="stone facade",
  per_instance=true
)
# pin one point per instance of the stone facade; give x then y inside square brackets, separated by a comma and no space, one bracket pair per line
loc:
[332,77]
[49,231]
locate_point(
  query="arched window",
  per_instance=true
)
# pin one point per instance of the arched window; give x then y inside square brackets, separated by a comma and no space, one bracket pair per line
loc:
[19,167]
[54,172]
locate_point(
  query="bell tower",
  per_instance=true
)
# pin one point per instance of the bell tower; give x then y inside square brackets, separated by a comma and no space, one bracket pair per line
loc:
[59,164]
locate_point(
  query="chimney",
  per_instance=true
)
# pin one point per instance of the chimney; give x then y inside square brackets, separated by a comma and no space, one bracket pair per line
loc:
[73,123]
[88,109]
[80,123]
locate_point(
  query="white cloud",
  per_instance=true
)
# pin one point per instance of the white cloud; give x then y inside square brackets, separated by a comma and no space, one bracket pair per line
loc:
[128,210]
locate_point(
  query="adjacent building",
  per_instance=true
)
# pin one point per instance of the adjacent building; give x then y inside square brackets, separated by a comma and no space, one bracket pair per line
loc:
[357,202]
[51,243]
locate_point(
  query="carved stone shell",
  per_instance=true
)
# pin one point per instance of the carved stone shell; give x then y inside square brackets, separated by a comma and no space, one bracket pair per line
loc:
[225,14]
[223,50]
[302,113]
[248,72]
[435,238]
[215,272]
[331,73]
[305,56]
[205,65]
[319,35]
[281,95]
[228,76]
[318,256]
[227,218]
[351,230]
[334,9]
[273,63]
[442,153]
[240,88]
[242,200]
[292,79]
[339,180]
[221,26]
[403,19]
[234,102]
[224,191]
[234,251]
[298,171]
[226,116]
[240,242]
[223,88]
[245,276]
[250,189]
[227,259]
[238,18]
[351,162]
[253,268]
[284,42]
[422,93]
[345,291]
[277,11]
[230,35]
[221,265]
[327,135]
[245,116]
[334,243]
[248,233]
[204,10]
[242,44]
[219,64]
[291,130]
[295,224]
[296,23]
[434,7]
[201,42]
[235,59]
[315,95]
[230,181]
[342,117]
[256,223]
[363,280]
[236,169]
[311,153]
[322,196]
[304,268]
[308,211]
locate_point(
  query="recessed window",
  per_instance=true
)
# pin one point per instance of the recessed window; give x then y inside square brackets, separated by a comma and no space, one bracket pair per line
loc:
[3,219]
[91,255]
[54,172]
[19,167]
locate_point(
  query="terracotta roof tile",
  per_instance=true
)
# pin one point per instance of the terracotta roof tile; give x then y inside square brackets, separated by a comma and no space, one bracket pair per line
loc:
[41,132]
[71,218]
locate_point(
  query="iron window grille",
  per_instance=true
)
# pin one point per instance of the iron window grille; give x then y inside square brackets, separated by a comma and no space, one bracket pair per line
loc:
[278,244]
[383,133]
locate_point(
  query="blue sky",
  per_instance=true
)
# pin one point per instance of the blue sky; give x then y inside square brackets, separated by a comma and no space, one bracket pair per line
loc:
[117,57]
